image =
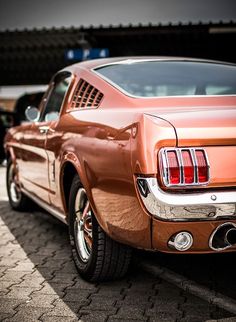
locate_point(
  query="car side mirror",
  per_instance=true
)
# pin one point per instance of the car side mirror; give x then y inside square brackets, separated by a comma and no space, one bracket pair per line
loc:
[32,114]
[51,116]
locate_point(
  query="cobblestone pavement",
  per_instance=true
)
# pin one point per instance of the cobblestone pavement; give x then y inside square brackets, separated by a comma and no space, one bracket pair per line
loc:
[39,282]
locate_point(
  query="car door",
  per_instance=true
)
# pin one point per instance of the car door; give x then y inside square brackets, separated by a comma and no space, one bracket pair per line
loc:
[35,164]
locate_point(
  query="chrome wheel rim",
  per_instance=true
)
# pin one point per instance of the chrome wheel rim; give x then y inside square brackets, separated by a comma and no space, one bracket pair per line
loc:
[83,225]
[14,188]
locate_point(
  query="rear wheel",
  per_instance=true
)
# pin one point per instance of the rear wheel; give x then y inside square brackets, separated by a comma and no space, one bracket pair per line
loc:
[17,199]
[96,255]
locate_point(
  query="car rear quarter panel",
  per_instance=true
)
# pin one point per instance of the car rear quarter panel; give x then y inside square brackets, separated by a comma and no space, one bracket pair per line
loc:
[102,141]
[149,135]
[107,147]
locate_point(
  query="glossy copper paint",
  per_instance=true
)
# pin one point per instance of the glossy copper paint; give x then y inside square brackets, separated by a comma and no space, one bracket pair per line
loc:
[110,145]
[201,232]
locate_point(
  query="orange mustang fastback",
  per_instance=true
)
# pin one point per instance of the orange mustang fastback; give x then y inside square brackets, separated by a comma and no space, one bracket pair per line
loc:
[132,152]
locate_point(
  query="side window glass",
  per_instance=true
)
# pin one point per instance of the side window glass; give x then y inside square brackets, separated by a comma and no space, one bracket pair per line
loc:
[56,97]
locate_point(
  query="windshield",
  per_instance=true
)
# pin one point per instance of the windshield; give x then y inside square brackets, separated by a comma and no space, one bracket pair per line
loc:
[171,78]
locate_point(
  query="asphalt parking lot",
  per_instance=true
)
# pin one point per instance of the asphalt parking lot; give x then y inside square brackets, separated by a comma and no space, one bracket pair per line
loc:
[38,280]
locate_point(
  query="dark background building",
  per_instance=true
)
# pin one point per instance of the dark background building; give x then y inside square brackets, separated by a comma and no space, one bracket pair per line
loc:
[36,36]
[33,56]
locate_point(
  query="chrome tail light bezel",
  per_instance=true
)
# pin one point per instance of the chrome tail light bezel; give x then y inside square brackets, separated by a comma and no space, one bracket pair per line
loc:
[164,166]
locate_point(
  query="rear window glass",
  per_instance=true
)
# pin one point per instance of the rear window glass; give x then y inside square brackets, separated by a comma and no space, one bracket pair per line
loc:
[171,78]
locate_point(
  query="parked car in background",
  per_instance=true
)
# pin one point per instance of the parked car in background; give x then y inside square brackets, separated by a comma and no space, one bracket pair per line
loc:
[132,152]
[7,120]
[25,100]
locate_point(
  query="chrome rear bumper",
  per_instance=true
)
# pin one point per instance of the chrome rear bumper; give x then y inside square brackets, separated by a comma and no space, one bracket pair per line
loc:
[192,206]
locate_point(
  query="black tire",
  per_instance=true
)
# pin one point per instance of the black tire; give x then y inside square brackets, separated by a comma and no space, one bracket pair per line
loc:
[17,199]
[96,256]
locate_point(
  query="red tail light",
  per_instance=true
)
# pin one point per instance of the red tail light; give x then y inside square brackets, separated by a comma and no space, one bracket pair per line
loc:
[173,165]
[201,166]
[188,167]
[183,167]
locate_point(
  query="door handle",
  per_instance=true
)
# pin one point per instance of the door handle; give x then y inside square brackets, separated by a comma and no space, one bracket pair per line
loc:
[43,129]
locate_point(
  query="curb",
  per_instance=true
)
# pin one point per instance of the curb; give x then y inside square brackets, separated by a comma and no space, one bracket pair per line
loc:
[190,286]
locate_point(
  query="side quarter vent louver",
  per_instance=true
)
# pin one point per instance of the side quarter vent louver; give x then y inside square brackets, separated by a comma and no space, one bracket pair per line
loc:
[86,95]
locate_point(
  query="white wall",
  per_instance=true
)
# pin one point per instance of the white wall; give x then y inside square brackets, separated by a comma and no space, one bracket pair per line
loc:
[16,91]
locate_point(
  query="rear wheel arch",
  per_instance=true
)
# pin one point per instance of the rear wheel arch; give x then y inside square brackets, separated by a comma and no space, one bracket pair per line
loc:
[69,169]
[68,173]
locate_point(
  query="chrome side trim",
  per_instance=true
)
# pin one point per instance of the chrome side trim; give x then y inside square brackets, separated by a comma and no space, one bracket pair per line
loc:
[179,206]
[57,214]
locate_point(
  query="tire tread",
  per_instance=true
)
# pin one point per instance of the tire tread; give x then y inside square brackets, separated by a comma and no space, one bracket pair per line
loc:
[109,259]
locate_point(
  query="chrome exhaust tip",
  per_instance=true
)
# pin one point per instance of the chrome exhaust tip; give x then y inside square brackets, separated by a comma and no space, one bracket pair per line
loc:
[230,236]
[223,237]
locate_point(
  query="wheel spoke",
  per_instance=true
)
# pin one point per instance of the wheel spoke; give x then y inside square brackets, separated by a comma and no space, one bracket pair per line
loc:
[85,211]
[88,231]
[83,225]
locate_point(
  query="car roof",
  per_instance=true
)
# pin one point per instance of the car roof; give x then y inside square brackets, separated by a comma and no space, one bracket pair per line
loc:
[95,63]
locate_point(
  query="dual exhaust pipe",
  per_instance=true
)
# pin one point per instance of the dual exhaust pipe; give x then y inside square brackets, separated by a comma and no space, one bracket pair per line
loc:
[230,236]
[223,237]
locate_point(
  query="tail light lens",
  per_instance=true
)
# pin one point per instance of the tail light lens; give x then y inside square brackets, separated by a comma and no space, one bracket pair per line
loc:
[188,167]
[183,167]
[202,166]
[174,169]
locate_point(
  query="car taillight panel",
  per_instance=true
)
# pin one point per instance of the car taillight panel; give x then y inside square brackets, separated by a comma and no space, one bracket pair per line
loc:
[184,166]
